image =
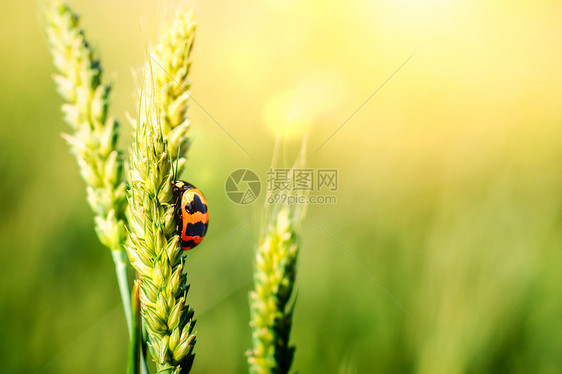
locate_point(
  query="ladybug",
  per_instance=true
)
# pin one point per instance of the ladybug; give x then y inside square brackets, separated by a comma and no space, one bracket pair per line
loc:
[194,214]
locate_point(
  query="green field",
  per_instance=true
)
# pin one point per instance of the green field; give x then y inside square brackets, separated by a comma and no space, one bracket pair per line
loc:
[443,252]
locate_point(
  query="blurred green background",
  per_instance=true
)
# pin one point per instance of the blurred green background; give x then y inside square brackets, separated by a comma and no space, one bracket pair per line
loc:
[450,184]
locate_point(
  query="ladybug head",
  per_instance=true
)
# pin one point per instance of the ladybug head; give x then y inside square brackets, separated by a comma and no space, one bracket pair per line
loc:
[181,186]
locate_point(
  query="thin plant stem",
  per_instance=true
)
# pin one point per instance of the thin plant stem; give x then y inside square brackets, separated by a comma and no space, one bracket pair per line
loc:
[135,344]
[120,261]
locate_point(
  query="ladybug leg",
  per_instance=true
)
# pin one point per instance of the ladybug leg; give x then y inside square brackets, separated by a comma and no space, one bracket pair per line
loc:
[179,226]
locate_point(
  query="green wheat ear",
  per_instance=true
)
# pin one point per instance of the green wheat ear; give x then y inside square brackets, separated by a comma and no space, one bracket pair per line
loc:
[271,313]
[171,63]
[173,53]
[155,250]
[94,134]
[93,137]
[158,156]
[271,308]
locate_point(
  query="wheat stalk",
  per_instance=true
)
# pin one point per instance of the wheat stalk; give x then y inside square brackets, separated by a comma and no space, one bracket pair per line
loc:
[135,343]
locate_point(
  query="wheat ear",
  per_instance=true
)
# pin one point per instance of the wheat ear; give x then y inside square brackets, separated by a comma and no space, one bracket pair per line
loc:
[171,83]
[155,250]
[274,279]
[171,347]
[93,137]
[271,309]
